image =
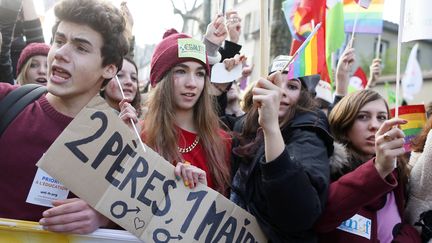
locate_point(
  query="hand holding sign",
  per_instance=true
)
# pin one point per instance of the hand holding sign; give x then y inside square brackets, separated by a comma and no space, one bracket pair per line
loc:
[72,215]
[190,174]
[228,71]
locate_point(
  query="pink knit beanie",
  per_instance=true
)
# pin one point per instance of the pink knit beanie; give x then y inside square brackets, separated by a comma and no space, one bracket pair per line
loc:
[32,49]
[166,56]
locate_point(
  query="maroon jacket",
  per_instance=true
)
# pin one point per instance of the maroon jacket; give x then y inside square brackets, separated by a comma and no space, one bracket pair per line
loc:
[22,144]
[361,192]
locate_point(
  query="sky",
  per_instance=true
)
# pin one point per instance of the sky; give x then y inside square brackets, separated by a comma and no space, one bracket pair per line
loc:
[153,18]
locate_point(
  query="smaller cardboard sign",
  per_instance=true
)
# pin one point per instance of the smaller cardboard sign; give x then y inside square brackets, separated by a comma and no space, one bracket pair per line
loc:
[219,74]
[45,189]
[188,47]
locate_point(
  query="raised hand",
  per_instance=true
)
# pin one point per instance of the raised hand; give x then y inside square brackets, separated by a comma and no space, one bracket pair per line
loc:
[233,23]
[216,31]
[389,142]
[375,72]
[230,63]
[127,113]
[343,70]
[267,94]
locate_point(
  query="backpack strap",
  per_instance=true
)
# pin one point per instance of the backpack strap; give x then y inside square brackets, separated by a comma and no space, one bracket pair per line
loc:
[16,101]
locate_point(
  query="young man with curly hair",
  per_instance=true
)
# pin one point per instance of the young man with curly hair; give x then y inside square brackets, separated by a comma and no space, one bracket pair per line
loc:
[88,49]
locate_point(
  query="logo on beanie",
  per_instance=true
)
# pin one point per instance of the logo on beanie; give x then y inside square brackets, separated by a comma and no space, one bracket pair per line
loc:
[188,47]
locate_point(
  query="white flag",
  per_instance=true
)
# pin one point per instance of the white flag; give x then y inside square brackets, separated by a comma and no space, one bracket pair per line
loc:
[417,20]
[412,80]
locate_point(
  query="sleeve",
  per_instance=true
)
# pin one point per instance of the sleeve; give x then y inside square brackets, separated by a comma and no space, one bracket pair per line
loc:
[6,69]
[352,192]
[229,50]
[403,233]
[5,88]
[295,183]
[33,31]
[212,52]
[336,100]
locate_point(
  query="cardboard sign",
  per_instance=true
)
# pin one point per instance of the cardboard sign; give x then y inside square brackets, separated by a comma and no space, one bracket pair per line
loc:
[98,158]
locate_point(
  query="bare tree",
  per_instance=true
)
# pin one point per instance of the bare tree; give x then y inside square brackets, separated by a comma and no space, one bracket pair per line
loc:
[191,14]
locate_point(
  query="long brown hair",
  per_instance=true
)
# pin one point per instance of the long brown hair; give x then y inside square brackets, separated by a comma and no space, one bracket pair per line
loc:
[251,136]
[418,143]
[160,131]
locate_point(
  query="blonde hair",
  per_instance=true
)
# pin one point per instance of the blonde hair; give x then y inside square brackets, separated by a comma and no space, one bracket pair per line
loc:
[22,76]
[160,132]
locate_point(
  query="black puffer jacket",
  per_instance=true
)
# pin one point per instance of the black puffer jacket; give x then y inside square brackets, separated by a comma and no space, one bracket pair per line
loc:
[288,194]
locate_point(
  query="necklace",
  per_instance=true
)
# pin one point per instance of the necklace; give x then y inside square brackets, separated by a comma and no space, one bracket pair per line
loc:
[190,147]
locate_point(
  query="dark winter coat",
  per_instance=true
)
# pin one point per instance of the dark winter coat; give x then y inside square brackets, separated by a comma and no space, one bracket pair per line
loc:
[288,194]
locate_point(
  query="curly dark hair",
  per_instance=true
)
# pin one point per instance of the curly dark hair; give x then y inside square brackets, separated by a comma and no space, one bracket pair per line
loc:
[104,18]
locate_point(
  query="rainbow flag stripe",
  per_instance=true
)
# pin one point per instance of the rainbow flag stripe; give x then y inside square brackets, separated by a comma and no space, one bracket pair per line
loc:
[369,20]
[311,60]
[416,117]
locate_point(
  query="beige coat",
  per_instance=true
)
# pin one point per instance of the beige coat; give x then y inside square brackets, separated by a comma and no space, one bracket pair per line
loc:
[420,197]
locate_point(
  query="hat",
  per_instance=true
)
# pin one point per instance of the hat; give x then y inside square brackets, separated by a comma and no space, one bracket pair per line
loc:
[310,82]
[32,49]
[279,62]
[175,48]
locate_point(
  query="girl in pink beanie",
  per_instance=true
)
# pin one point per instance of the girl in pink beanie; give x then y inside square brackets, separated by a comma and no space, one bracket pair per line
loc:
[32,64]
[181,123]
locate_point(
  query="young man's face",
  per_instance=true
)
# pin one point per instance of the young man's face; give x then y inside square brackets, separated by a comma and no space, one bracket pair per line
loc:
[75,63]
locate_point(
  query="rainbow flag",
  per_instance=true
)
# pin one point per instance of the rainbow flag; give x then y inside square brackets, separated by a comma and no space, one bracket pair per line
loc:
[416,117]
[311,60]
[369,20]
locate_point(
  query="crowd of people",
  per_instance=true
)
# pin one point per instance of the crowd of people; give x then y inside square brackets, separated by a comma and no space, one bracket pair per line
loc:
[309,170]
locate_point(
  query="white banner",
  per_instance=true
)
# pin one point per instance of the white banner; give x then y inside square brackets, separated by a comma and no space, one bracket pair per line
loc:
[417,20]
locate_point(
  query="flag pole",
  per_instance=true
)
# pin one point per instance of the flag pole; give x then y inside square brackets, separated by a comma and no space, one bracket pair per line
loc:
[378,47]
[131,121]
[350,43]
[398,57]
[264,35]
[302,46]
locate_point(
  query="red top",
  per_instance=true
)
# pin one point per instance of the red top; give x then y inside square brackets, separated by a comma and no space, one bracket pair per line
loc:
[21,146]
[197,156]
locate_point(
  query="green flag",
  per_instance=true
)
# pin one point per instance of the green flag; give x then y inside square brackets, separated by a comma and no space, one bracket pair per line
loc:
[391,96]
[335,35]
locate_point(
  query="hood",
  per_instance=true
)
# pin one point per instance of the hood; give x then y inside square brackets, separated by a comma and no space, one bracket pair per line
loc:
[339,160]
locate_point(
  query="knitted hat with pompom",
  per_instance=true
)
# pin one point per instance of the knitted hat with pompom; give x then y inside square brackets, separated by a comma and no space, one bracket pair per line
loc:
[166,56]
[32,49]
